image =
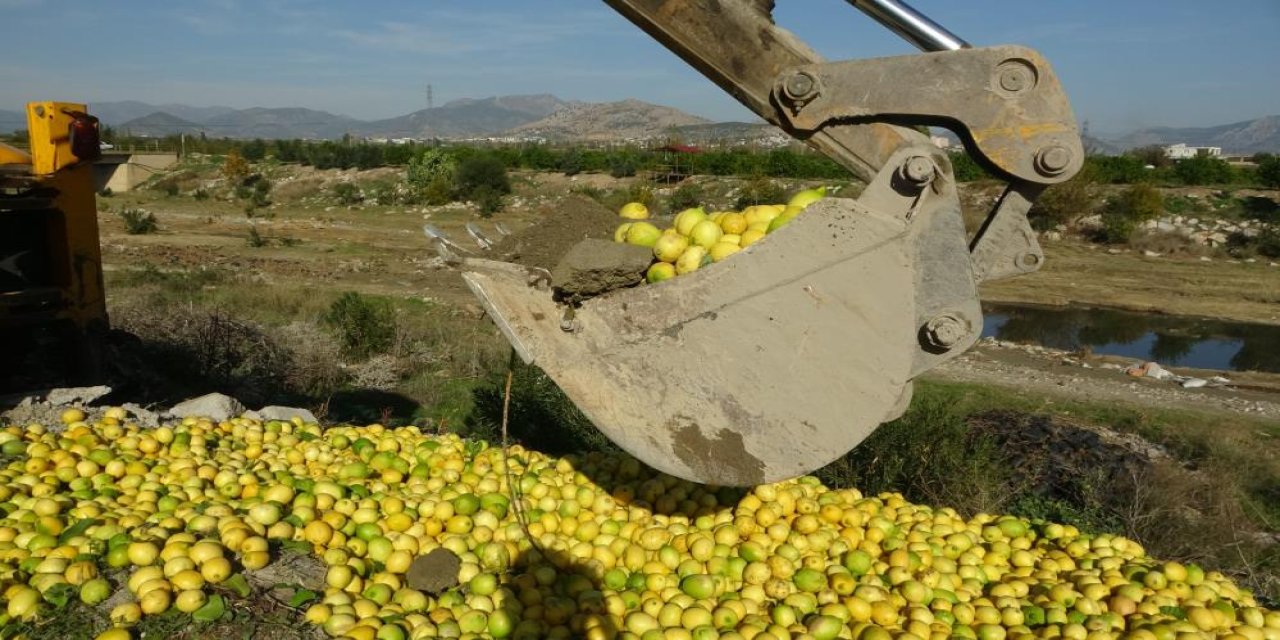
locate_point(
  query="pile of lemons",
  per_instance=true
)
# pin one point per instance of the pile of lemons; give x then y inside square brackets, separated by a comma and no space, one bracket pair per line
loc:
[697,238]
[593,546]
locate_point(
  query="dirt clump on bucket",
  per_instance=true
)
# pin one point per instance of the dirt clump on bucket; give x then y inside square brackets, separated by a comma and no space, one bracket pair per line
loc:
[561,226]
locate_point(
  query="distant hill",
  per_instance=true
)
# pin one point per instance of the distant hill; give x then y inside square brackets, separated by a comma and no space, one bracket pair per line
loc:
[11,121]
[552,118]
[625,120]
[740,132]
[158,125]
[114,113]
[1250,136]
[467,118]
[290,122]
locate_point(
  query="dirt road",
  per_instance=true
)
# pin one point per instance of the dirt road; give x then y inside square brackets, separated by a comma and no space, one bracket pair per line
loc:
[1056,374]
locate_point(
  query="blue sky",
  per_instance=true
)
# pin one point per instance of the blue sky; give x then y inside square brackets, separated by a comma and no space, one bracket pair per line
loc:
[1125,63]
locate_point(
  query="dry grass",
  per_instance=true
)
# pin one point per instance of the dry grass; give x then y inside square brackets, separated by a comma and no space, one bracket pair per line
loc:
[1073,273]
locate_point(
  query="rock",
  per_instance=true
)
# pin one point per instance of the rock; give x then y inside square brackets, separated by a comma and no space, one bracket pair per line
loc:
[287,569]
[276,412]
[142,416]
[1206,259]
[595,266]
[1194,383]
[76,395]
[215,406]
[1150,254]
[1053,236]
[435,572]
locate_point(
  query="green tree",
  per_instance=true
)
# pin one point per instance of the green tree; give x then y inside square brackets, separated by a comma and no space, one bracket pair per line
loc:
[1204,170]
[482,178]
[1268,170]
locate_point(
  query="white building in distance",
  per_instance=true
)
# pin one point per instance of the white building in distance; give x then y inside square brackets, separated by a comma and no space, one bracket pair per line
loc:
[1181,151]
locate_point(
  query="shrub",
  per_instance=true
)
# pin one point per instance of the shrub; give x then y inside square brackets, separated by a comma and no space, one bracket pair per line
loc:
[622,167]
[439,191]
[347,193]
[200,194]
[364,325]
[1065,203]
[572,163]
[965,168]
[138,221]
[234,167]
[1268,171]
[189,348]
[261,192]
[482,176]
[256,239]
[1204,170]
[686,196]
[1140,202]
[760,190]
[488,200]
[432,166]
[106,192]
[1116,228]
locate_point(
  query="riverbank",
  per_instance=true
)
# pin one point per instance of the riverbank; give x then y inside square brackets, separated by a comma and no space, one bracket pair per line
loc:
[1078,273]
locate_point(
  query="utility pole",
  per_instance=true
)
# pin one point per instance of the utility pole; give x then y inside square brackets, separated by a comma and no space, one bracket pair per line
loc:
[426,116]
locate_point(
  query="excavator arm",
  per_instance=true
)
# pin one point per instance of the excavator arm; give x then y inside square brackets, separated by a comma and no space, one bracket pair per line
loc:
[779,361]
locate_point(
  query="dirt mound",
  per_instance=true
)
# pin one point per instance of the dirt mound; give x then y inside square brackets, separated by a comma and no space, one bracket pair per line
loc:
[561,226]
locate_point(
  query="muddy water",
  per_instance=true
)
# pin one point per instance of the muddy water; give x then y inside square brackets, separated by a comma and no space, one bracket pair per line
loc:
[1169,340]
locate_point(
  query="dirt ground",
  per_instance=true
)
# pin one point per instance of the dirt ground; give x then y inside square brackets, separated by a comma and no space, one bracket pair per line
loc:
[381,249]
[1062,375]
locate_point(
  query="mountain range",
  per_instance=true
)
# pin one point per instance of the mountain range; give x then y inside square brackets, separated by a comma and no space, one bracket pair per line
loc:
[548,117]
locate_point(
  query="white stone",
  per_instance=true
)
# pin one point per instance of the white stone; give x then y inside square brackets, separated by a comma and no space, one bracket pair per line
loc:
[215,406]
[276,412]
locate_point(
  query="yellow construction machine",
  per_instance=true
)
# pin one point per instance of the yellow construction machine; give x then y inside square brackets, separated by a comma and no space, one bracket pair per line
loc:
[53,316]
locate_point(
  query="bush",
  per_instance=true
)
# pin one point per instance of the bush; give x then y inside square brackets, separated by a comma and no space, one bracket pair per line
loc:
[192,349]
[760,190]
[1204,170]
[1268,171]
[138,221]
[1064,203]
[572,163]
[1140,202]
[347,193]
[482,176]
[234,167]
[364,325]
[488,200]
[1116,228]
[622,167]
[200,194]
[686,196]
[255,239]
[261,192]
[965,168]
[106,192]
[431,167]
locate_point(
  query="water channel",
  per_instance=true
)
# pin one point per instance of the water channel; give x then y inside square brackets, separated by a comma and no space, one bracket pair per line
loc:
[1169,340]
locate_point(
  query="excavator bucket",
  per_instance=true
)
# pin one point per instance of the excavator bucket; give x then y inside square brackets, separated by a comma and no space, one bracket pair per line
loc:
[758,368]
